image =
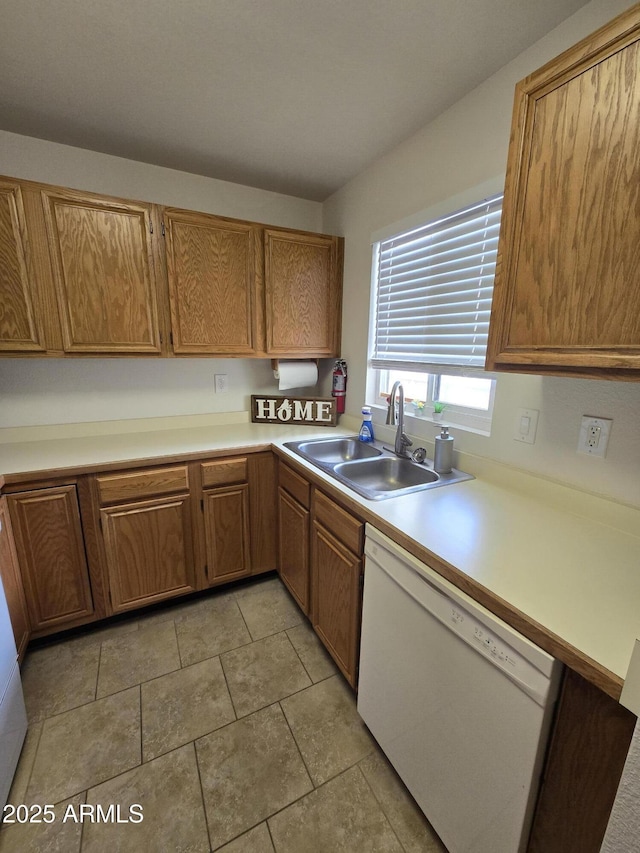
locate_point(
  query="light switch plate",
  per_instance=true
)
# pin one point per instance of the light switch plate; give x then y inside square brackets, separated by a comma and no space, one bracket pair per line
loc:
[594,435]
[526,425]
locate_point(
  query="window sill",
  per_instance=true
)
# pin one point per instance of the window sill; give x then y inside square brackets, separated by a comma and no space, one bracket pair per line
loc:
[422,425]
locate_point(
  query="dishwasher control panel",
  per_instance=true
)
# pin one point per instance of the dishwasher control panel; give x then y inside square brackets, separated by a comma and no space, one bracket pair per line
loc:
[486,642]
[493,647]
[478,635]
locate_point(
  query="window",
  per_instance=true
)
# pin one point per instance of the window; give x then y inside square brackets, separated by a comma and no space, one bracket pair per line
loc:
[432,301]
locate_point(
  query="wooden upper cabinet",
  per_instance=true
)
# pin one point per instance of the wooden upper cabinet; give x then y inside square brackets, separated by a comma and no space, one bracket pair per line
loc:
[303,293]
[567,287]
[20,328]
[86,274]
[211,266]
[102,259]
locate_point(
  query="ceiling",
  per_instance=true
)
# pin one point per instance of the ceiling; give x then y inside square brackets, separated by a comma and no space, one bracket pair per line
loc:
[295,96]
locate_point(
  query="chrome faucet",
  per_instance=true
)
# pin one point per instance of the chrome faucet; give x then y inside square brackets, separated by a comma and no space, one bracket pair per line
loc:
[395,416]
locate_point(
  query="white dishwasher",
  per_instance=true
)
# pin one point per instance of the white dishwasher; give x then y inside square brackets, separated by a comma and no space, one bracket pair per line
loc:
[460,702]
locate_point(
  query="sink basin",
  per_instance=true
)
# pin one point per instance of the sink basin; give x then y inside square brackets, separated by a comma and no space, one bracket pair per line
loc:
[387,474]
[371,470]
[335,450]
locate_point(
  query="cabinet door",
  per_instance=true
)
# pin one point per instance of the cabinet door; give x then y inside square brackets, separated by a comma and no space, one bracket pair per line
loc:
[263,509]
[20,330]
[49,543]
[589,744]
[567,292]
[102,260]
[149,551]
[211,265]
[336,600]
[12,583]
[294,548]
[303,293]
[226,521]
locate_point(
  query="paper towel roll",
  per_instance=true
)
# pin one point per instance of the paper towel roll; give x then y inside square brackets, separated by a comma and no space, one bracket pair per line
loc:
[296,374]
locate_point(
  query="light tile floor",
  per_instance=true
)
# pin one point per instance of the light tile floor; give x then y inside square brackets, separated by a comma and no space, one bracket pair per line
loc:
[225,719]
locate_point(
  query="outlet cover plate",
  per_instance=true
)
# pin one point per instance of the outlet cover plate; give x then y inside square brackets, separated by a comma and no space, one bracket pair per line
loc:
[594,435]
[221,381]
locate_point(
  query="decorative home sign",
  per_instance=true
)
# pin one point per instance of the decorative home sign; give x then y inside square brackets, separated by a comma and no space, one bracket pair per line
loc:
[319,411]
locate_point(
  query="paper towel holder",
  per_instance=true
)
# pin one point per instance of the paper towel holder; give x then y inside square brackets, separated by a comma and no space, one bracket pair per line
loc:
[275,362]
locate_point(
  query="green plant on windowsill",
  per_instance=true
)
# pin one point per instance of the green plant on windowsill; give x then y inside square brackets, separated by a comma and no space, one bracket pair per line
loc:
[438,409]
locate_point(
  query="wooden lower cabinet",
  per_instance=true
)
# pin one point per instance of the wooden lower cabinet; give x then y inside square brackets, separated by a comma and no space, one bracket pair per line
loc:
[149,551]
[336,610]
[337,544]
[50,547]
[263,512]
[589,744]
[294,521]
[320,561]
[12,583]
[293,528]
[226,524]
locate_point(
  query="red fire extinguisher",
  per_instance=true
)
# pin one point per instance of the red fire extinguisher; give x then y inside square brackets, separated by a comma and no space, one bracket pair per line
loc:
[339,387]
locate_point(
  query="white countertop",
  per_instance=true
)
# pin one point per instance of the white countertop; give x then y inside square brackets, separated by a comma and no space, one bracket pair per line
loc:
[568,562]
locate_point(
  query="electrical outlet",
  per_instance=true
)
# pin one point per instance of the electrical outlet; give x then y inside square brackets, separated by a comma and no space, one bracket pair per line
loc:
[221,381]
[594,435]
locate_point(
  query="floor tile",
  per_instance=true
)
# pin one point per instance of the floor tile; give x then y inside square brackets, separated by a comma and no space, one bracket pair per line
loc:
[182,706]
[173,815]
[257,840]
[327,728]
[58,677]
[312,653]
[210,627]
[262,673]
[85,746]
[18,791]
[268,608]
[342,816]
[61,836]
[407,820]
[249,770]
[136,657]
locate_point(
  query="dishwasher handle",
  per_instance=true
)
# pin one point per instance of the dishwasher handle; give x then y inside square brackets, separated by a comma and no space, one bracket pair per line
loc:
[537,693]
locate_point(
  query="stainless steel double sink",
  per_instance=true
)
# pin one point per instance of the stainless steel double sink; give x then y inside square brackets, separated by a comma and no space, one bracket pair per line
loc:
[371,470]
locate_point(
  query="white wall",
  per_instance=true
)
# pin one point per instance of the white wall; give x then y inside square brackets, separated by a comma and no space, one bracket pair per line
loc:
[55,391]
[623,830]
[464,147]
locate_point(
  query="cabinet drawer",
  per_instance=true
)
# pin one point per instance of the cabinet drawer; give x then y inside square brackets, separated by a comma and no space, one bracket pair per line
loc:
[224,471]
[348,529]
[296,485]
[142,484]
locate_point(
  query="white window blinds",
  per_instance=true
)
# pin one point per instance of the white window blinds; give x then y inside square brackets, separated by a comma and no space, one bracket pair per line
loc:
[434,288]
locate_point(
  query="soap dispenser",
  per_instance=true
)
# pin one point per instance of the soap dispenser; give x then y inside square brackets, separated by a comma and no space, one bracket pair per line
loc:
[443,454]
